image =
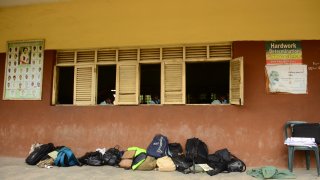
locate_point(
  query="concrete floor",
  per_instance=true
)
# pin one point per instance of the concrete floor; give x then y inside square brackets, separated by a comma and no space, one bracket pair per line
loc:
[16,168]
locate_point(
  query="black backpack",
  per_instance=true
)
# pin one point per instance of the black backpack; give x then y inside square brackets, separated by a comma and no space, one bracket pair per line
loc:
[112,157]
[174,149]
[223,161]
[39,153]
[196,152]
[92,159]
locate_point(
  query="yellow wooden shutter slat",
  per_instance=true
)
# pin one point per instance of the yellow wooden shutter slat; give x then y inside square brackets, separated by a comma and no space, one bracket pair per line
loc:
[220,51]
[196,52]
[173,83]
[236,81]
[172,53]
[128,55]
[84,85]
[127,91]
[65,57]
[149,54]
[85,56]
[106,55]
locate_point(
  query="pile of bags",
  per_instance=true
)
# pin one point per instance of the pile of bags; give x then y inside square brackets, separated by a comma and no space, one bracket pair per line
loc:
[160,155]
[47,155]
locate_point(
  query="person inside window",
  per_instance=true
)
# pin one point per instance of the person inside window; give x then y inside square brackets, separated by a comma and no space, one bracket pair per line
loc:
[220,100]
[155,100]
[223,99]
[108,100]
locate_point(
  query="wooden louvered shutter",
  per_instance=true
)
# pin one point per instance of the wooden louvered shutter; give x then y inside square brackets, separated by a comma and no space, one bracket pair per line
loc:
[128,55]
[149,54]
[173,88]
[85,56]
[220,51]
[236,81]
[106,55]
[196,52]
[65,57]
[55,85]
[84,85]
[172,53]
[127,84]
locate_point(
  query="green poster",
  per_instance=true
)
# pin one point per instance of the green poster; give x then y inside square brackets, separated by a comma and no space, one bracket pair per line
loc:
[283,52]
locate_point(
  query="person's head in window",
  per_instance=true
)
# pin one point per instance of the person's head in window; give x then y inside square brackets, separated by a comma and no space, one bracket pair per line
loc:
[155,99]
[221,99]
[108,100]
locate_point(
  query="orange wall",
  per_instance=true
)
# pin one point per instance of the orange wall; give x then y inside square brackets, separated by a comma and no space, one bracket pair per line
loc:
[252,132]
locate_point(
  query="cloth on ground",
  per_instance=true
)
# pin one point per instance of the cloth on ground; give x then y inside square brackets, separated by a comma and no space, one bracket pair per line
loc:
[270,172]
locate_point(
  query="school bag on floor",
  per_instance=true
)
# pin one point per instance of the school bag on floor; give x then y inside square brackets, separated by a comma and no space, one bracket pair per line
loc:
[181,164]
[174,150]
[165,164]
[112,157]
[223,161]
[127,158]
[92,159]
[39,153]
[139,157]
[158,147]
[66,158]
[150,163]
[196,152]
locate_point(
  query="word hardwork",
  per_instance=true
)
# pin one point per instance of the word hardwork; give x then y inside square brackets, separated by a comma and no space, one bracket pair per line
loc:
[284,46]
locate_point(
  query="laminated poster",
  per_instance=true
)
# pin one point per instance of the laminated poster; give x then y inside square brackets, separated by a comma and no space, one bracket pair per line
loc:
[283,52]
[287,78]
[24,70]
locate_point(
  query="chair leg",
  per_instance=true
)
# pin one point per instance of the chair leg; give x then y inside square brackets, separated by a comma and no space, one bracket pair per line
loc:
[290,158]
[317,160]
[307,159]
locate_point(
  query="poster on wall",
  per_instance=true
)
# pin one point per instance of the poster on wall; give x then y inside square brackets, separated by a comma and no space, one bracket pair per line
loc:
[283,52]
[24,70]
[287,78]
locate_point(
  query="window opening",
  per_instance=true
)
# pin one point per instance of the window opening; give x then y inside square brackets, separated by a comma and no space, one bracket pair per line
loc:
[65,85]
[106,84]
[150,80]
[207,82]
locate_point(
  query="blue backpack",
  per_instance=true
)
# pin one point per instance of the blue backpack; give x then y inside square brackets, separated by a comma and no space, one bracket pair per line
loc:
[66,158]
[158,147]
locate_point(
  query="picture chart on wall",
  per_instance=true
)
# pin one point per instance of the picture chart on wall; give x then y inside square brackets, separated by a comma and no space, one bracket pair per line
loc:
[24,70]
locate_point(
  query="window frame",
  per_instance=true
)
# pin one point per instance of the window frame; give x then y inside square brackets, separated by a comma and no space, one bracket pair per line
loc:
[167,56]
[139,71]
